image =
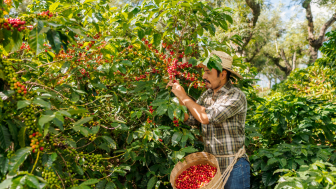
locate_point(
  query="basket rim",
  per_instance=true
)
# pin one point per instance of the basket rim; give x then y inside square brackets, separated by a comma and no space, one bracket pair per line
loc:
[194,156]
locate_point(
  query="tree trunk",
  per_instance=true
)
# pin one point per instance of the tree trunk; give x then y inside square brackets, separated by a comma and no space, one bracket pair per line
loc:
[313,52]
[219,3]
[294,61]
[315,42]
[255,7]
[276,60]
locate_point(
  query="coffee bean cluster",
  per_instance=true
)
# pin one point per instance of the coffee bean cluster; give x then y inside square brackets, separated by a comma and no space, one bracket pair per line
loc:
[13,80]
[28,114]
[92,137]
[10,153]
[53,181]
[29,19]
[9,110]
[37,142]
[92,161]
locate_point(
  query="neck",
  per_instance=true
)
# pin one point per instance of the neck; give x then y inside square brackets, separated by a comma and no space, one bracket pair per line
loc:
[221,84]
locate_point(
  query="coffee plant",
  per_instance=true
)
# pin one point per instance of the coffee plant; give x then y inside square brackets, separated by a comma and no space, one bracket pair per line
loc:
[317,175]
[84,102]
[295,127]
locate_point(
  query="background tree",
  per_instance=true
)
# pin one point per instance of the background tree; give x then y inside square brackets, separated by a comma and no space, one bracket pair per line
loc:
[316,36]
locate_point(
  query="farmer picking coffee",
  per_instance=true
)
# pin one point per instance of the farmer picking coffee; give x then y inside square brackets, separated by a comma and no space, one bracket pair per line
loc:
[221,111]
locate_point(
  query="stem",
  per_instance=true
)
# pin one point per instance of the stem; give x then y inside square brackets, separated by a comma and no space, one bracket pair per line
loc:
[38,155]
[115,156]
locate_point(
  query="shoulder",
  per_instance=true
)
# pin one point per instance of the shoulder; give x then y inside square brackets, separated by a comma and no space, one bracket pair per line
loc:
[203,96]
[235,92]
[205,93]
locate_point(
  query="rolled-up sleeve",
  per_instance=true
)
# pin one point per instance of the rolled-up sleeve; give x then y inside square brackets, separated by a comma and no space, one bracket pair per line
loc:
[226,107]
[192,121]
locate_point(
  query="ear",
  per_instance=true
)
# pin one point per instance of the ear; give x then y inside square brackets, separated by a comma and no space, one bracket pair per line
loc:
[223,74]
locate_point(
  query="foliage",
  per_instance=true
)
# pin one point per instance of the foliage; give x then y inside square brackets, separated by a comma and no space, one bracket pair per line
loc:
[317,175]
[295,127]
[83,92]
[285,156]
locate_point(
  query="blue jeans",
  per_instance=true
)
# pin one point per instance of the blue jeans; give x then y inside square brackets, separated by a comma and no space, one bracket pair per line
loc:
[240,175]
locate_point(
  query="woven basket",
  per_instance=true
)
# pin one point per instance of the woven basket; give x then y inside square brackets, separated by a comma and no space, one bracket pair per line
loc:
[197,159]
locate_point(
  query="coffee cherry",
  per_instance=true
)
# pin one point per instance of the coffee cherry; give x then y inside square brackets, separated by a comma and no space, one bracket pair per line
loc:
[195,176]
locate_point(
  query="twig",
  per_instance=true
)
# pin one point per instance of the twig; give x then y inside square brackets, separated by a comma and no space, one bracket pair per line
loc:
[34,83]
[60,178]
[38,155]
[65,165]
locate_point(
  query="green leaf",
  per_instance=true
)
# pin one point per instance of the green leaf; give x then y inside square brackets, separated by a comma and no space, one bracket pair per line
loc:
[272,161]
[129,138]
[33,182]
[304,152]
[79,170]
[200,31]
[171,110]
[17,159]
[189,149]
[206,61]
[126,62]
[192,61]
[77,111]
[159,102]
[81,187]
[51,159]
[6,183]
[23,103]
[89,1]
[157,39]
[42,103]
[45,119]
[328,133]
[101,184]
[4,165]
[12,130]
[110,185]
[176,138]
[54,39]
[188,50]
[71,142]
[65,67]
[162,109]
[22,137]
[215,62]
[141,34]
[90,182]
[178,155]
[54,6]
[85,131]
[74,97]
[281,171]
[4,137]
[283,162]
[151,182]
[82,121]
[95,129]
[110,141]
[35,39]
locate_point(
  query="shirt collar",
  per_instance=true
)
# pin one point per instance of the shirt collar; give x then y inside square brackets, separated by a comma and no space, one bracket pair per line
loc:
[228,85]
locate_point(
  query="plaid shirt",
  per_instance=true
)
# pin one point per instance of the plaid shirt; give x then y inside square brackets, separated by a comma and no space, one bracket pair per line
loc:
[226,111]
